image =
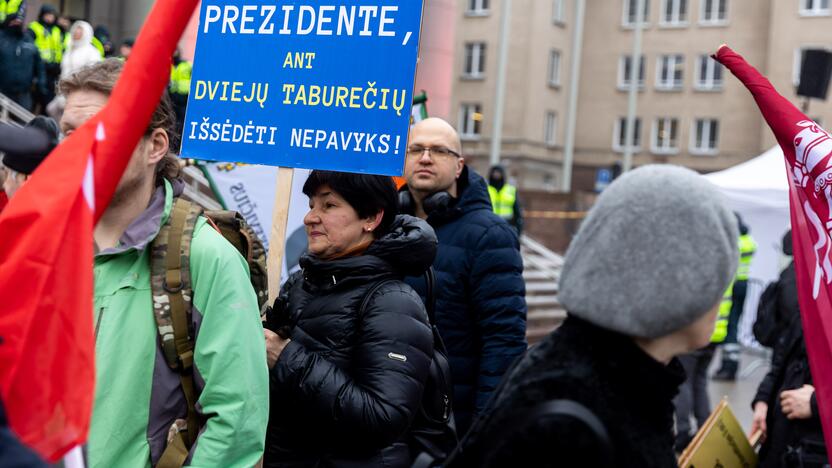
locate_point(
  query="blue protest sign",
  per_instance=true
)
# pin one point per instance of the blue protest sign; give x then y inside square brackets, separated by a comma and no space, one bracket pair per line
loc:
[316,84]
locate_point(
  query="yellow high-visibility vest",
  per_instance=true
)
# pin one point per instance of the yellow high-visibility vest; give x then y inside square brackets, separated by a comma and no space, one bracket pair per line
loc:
[747,248]
[502,201]
[180,78]
[9,7]
[721,328]
[48,41]
[98,45]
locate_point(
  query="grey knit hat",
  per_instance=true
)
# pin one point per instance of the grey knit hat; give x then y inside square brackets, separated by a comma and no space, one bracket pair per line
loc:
[655,253]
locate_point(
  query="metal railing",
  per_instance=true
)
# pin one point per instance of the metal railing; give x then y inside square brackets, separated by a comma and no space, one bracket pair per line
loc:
[12,112]
[540,258]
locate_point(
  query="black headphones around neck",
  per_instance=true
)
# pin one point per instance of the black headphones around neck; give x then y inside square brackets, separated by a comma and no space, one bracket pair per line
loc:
[433,203]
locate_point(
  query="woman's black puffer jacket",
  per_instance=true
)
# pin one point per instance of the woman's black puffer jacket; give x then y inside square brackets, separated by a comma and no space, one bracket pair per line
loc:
[346,388]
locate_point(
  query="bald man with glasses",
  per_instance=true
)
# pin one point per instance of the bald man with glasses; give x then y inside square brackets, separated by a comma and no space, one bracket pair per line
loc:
[480,293]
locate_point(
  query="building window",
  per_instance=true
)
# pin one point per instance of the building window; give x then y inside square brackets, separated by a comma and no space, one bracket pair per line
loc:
[714,12]
[705,136]
[619,139]
[708,73]
[629,16]
[666,135]
[557,11]
[674,12]
[478,7]
[474,60]
[814,8]
[550,128]
[470,119]
[554,68]
[625,71]
[670,72]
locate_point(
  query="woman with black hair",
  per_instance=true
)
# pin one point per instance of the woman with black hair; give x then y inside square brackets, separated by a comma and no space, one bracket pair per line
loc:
[353,349]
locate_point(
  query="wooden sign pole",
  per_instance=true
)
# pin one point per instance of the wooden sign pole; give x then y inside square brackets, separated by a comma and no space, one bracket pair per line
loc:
[277,240]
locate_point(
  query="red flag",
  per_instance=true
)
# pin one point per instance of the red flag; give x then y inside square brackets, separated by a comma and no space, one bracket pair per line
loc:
[47,372]
[808,150]
[3,198]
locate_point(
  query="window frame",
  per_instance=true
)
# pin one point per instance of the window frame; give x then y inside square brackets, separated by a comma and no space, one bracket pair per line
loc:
[476,8]
[558,17]
[467,111]
[705,21]
[550,128]
[709,124]
[815,9]
[678,61]
[623,83]
[555,83]
[476,59]
[625,14]
[711,65]
[677,22]
[655,148]
[619,146]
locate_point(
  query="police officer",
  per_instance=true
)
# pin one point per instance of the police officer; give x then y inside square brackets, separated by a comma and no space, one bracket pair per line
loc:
[180,86]
[693,399]
[504,199]
[731,347]
[48,38]
[21,68]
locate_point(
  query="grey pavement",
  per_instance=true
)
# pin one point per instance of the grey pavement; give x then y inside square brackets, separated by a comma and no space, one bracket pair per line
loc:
[753,367]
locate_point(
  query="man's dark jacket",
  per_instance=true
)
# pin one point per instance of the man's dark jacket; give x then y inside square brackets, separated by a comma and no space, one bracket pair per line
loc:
[20,63]
[480,295]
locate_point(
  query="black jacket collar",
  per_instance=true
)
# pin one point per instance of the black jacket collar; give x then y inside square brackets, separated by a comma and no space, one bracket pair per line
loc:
[408,249]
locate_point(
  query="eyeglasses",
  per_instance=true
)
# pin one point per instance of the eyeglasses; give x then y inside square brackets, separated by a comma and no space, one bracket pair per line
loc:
[440,151]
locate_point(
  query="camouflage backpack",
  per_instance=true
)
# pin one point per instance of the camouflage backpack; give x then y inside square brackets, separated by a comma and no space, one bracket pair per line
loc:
[172,295]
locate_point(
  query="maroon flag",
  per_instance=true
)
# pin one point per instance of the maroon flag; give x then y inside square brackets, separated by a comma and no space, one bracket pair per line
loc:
[808,151]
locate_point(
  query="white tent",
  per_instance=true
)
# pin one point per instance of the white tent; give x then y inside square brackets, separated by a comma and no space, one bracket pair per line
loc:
[759,191]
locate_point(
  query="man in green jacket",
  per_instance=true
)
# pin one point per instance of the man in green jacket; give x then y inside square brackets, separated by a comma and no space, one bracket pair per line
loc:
[139,401]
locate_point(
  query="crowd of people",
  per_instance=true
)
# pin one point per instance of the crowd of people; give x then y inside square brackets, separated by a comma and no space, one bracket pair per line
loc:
[402,339]
[34,56]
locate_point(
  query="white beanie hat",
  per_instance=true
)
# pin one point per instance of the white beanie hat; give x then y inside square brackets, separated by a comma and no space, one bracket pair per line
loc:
[656,252]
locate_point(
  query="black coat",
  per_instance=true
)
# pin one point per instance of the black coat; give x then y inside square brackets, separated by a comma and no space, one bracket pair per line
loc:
[480,295]
[789,371]
[630,392]
[13,454]
[345,389]
[20,65]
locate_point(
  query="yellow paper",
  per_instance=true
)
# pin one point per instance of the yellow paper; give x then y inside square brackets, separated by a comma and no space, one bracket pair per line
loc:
[720,443]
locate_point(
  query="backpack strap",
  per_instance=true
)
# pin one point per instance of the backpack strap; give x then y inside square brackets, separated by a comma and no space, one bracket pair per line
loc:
[234,228]
[564,409]
[430,294]
[172,296]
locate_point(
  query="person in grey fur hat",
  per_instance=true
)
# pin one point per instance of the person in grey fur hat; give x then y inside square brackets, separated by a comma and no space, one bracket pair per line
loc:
[641,283]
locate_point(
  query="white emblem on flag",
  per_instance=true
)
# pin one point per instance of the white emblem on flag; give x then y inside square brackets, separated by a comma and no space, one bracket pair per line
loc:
[74,458]
[813,172]
[88,184]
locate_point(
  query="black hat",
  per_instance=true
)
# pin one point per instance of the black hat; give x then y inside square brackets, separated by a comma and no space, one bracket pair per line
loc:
[23,153]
